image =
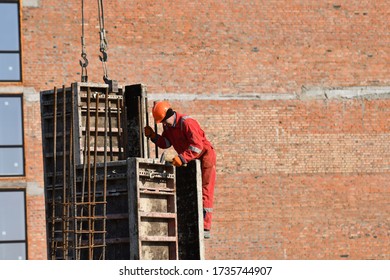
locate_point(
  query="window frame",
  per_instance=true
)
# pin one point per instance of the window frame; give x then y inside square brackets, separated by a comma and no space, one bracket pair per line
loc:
[20,80]
[16,241]
[23,174]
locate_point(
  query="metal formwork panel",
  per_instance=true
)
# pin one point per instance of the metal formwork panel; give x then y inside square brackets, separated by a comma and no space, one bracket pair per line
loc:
[99,206]
[57,117]
[136,106]
[190,211]
[101,212]
[98,220]
[152,210]
[99,120]
[84,124]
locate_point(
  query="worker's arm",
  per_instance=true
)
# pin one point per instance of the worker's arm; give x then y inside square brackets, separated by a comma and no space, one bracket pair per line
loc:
[161,141]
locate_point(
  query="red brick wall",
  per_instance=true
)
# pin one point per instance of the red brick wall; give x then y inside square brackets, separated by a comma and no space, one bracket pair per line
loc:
[300,178]
[36,227]
[213,46]
[36,222]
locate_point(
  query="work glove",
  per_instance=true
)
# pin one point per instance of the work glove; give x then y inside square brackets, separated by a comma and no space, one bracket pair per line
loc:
[176,161]
[149,132]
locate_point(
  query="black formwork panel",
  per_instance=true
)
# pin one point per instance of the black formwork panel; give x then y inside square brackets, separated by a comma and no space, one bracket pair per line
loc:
[87,133]
[190,211]
[101,212]
[116,207]
[136,106]
[95,221]
[97,121]
[88,120]
[84,124]
[57,120]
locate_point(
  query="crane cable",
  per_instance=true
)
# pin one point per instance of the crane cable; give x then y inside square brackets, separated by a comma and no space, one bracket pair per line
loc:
[103,41]
[84,61]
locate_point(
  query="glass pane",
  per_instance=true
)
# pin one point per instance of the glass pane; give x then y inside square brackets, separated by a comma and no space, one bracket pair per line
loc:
[9,67]
[12,217]
[9,27]
[13,251]
[10,121]
[11,161]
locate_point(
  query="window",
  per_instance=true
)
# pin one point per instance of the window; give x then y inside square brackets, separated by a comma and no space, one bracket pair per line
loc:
[11,136]
[10,67]
[13,245]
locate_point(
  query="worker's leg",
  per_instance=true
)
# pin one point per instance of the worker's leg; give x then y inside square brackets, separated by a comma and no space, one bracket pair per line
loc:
[208,183]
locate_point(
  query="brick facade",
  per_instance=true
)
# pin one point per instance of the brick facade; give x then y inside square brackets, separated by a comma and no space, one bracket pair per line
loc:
[301,175]
[299,179]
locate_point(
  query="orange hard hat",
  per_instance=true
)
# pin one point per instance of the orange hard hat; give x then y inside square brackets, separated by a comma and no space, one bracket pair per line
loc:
[160,110]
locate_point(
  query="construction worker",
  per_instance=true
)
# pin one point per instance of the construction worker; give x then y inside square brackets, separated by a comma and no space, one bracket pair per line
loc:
[189,140]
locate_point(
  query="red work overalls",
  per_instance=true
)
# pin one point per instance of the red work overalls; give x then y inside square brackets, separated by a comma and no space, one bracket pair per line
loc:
[189,141]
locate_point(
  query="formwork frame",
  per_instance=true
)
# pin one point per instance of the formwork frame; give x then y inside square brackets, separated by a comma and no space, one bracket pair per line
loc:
[152,210]
[84,125]
[97,169]
[58,172]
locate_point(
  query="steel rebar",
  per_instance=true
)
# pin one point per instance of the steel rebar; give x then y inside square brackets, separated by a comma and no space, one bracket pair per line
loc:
[64,206]
[118,124]
[105,175]
[54,178]
[90,251]
[72,157]
[95,167]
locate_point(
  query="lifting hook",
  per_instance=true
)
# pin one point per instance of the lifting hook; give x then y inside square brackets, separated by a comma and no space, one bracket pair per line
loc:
[83,63]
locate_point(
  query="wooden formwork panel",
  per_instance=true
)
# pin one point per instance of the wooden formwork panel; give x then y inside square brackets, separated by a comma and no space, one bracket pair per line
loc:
[152,210]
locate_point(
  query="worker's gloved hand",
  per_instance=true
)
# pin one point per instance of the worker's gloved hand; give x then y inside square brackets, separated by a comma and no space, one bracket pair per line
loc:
[149,132]
[176,161]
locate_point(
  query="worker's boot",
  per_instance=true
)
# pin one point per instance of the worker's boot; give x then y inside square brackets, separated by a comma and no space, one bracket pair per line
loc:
[207,222]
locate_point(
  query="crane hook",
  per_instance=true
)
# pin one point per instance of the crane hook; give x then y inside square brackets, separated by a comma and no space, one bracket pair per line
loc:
[83,63]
